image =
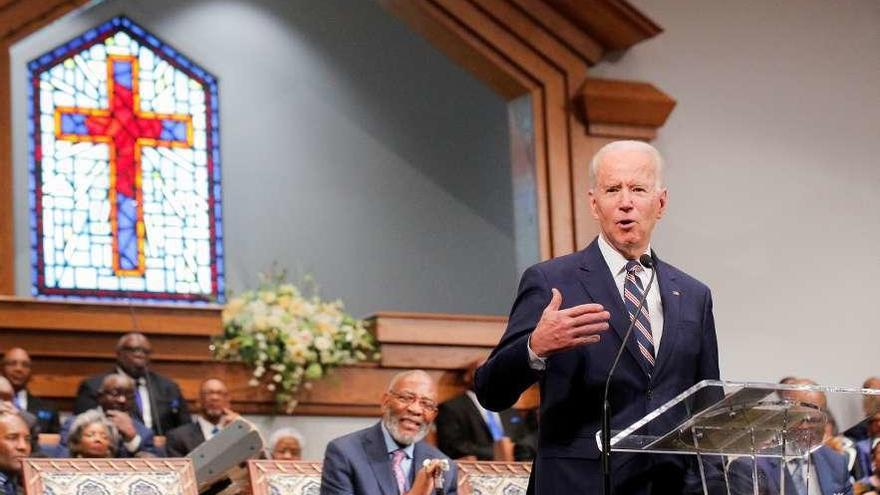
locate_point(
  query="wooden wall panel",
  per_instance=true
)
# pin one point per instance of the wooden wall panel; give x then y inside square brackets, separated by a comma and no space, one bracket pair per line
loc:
[65,349]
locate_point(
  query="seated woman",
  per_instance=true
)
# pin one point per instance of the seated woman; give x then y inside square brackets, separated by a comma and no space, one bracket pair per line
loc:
[286,444]
[92,435]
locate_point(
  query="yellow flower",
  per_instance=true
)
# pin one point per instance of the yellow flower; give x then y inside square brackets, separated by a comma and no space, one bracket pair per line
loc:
[267,297]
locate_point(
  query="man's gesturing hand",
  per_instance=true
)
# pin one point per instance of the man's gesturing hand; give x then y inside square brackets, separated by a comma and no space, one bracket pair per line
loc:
[560,330]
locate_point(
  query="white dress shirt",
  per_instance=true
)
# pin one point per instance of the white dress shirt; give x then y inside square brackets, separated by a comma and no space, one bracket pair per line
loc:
[617,265]
[207,428]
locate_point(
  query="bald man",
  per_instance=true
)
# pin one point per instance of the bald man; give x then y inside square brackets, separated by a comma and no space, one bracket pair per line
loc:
[391,457]
[17,369]
[158,402]
[216,413]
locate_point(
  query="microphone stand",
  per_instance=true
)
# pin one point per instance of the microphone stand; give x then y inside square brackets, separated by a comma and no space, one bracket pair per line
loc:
[647,262]
[154,414]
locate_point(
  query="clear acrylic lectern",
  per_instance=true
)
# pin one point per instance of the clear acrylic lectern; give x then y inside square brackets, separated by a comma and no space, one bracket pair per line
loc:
[750,438]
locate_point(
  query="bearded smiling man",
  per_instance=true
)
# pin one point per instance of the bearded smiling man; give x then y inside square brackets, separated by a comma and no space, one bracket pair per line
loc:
[390,457]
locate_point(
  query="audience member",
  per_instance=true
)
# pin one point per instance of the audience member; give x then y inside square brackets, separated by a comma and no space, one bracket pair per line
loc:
[115,402]
[15,446]
[828,470]
[466,430]
[870,485]
[864,466]
[92,435]
[17,369]
[216,414]
[870,407]
[157,401]
[391,456]
[6,395]
[286,444]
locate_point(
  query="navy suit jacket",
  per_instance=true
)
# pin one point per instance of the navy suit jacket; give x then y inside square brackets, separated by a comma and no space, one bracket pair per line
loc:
[573,382]
[170,412]
[147,445]
[358,463]
[831,470]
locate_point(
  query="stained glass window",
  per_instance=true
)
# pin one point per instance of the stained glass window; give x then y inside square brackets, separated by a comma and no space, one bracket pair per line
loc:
[125,170]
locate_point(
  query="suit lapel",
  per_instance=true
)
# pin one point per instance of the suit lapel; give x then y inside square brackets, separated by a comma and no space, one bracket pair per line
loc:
[374,447]
[670,297]
[596,278]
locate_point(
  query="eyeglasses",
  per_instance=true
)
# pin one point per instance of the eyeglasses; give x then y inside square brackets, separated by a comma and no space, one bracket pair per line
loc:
[132,350]
[410,399]
[117,392]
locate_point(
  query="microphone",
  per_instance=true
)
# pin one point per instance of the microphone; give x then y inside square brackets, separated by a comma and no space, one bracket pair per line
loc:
[648,262]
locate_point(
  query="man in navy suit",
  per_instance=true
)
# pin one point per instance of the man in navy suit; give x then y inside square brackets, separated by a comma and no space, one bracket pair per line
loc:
[390,457]
[558,335]
[158,402]
[116,401]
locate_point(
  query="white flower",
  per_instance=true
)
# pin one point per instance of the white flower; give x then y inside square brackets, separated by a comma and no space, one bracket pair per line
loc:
[258,371]
[277,378]
[322,343]
[271,387]
[253,382]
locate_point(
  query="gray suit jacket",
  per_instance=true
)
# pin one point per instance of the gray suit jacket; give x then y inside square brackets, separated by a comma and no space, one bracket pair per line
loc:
[358,463]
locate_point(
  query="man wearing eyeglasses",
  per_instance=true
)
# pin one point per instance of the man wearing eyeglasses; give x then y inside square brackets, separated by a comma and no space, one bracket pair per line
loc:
[158,402]
[391,456]
[115,401]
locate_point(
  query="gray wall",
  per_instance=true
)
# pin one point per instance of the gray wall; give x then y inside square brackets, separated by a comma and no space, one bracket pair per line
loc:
[352,150]
[773,175]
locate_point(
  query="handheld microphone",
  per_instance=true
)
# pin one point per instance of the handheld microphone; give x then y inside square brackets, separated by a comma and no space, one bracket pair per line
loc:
[648,262]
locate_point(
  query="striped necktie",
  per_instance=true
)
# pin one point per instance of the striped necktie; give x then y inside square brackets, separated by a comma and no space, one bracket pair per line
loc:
[632,293]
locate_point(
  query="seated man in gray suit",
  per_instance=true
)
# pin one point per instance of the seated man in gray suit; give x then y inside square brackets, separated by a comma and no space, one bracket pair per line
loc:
[390,457]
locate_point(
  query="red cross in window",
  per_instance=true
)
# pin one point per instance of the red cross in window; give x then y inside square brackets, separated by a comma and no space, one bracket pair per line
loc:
[125,129]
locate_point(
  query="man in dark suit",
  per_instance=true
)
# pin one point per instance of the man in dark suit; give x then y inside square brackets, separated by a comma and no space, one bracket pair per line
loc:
[15,446]
[827,466]
[465,430]
[216,414]
[390,457]
[557,336]
[115,401]
[158,401]
[17,369]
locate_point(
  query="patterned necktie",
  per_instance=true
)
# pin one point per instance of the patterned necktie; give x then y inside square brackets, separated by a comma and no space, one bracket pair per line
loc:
[495,428]
[632,293]
[397,467]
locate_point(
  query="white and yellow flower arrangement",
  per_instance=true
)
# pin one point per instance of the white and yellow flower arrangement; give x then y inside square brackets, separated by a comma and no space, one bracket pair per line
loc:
[289,339]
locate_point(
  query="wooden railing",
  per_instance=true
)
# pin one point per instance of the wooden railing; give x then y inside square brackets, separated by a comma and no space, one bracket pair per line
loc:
[69,341]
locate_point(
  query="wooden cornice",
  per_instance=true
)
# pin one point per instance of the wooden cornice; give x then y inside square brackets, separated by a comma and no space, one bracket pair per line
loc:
[615,24]
[623,108]
[19,18]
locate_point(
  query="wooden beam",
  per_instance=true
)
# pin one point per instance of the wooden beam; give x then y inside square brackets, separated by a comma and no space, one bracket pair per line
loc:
[625,103]
[616,24]
[7,226]
[17,313]
[23,17]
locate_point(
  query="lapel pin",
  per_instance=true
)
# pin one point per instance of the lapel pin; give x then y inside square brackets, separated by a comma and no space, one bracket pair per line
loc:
[676,293]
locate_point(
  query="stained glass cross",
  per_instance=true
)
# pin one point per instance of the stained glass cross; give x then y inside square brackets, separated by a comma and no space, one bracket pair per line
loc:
[125,128]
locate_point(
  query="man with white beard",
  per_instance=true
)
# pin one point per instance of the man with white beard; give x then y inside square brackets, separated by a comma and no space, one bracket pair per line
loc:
[390,456]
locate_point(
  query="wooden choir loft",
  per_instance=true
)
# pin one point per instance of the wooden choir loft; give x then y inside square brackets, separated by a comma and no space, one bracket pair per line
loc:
[541,49]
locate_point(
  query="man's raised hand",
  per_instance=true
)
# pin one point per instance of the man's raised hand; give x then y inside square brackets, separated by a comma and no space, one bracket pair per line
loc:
[561,330]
